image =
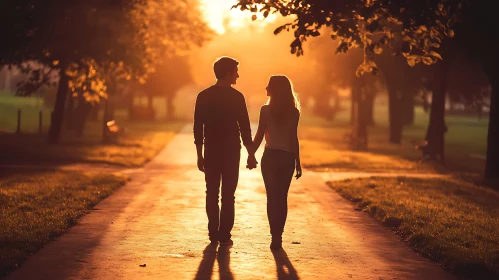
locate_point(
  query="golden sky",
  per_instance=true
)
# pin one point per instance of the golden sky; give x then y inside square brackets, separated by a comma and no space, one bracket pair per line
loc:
[215,12]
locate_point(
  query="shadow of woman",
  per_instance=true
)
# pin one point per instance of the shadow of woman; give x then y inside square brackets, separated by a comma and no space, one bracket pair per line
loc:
[223,259]
[205,269]
[285,269]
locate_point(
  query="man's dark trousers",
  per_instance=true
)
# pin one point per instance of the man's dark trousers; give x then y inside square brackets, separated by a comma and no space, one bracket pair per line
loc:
[221,164]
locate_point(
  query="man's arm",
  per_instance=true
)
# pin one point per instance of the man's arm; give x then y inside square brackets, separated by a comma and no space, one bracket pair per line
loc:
[244,126]
[198,130]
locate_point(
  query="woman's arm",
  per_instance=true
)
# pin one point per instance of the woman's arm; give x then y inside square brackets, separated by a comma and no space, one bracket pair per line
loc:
[252,162]
[296,148]
[260,132]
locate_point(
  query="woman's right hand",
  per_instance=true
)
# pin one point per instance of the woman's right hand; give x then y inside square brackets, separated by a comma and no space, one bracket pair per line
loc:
[298,171]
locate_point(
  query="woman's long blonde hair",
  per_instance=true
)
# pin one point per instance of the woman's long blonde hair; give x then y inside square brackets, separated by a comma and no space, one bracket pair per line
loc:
[283,100]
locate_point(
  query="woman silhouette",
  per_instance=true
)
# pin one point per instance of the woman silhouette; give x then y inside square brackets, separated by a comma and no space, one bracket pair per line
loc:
[279,124]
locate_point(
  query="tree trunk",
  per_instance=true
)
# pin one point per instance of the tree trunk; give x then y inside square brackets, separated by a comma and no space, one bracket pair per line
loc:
[94,113]
[395,116]
[362,118]
[369,107]
[436,127]
[81,115]
[353,101]
[57,118]
[69,124]
[131,99]
[105,119]
[492,162]
[408,108]
[170,108]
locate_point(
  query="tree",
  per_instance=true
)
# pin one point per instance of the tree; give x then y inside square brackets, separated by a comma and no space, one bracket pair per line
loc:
[118,39]
[167,79]
[63,36]
[477,34]
[413,29]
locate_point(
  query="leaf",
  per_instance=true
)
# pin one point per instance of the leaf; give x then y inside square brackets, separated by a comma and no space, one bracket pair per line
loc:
[428,60]
[342,47]
[377,49]
[436,55]
[450,33]
[266,14]
[253,17]
[412,60]
[315,33]
[279,29]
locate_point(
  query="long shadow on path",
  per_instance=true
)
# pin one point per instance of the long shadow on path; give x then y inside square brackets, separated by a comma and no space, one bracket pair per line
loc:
[223,258]
[205,269]
[285,269]
[210,254]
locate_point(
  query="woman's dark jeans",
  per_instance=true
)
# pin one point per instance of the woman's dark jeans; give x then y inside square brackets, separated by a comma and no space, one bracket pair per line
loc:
[277,170]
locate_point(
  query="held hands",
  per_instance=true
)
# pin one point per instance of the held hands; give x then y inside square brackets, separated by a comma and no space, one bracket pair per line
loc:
[252,162]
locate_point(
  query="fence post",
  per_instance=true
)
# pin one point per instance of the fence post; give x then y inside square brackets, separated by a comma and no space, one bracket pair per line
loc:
[18,121]
[40,122]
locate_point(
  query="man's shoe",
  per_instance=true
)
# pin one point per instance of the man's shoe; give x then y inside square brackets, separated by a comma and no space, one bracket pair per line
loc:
[227,242]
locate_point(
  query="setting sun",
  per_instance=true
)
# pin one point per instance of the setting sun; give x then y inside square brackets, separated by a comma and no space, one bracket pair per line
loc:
[219,15]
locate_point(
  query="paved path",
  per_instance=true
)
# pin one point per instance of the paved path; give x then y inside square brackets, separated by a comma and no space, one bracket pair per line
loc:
[158,219]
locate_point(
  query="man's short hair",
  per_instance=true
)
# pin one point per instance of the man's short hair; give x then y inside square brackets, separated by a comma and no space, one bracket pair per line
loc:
[223,66]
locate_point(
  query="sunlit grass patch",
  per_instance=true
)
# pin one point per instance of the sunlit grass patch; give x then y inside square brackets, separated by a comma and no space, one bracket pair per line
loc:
[35,207]
[321,156]
[323,145]
[447,220]
[139,144]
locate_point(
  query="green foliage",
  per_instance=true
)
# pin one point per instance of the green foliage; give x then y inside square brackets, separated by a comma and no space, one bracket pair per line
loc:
[97,43]
[414,29]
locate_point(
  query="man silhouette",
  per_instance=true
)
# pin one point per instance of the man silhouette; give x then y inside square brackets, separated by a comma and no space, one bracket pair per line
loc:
[220,120]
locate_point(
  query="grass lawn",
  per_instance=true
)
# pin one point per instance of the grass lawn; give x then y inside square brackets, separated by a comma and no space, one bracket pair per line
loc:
[447,220]
[30,109]
[139,144]
[323,147]
[38,206]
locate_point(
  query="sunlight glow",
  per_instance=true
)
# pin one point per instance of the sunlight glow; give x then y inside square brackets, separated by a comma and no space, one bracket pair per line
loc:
[220,16]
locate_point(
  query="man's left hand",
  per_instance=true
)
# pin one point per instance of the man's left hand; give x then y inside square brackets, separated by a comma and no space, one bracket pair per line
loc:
[251,162]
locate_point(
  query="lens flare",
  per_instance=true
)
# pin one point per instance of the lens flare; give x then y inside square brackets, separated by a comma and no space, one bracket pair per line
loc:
[220,17]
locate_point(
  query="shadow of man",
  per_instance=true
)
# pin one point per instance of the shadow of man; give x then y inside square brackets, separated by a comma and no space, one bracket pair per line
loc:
[285,269]
[205,268]
[223,259]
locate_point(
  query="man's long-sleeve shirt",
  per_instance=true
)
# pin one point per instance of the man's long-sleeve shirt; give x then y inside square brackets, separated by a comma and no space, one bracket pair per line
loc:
[221,118]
